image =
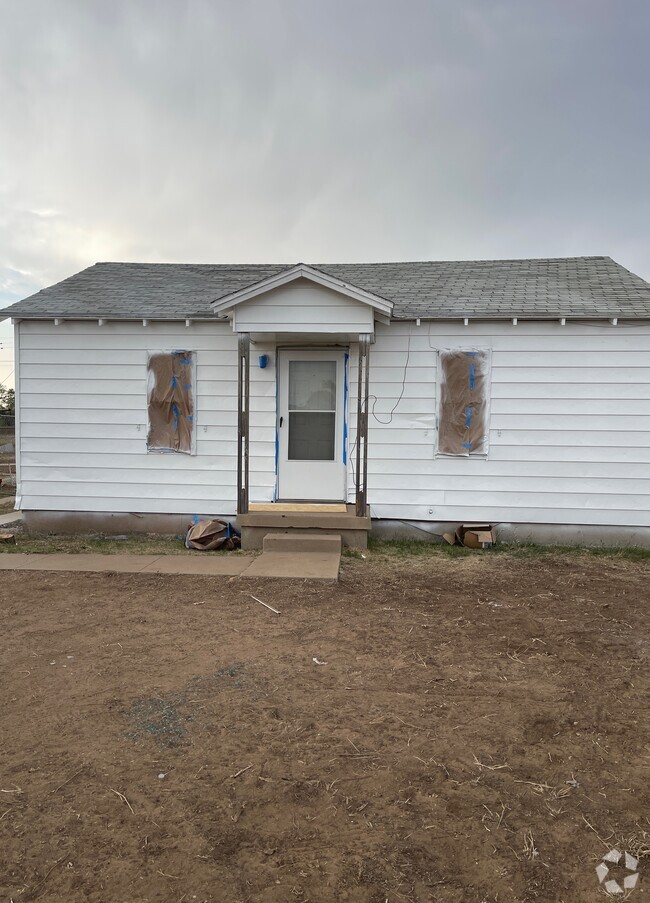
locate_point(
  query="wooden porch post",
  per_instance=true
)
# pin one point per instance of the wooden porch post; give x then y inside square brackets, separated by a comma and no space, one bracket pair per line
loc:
[361,474]
[243,395]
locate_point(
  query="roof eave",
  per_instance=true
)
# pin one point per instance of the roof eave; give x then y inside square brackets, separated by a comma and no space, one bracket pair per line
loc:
[523,317]
[115,318]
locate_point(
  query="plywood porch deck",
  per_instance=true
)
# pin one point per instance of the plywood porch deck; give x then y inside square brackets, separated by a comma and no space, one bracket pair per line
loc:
[300,507]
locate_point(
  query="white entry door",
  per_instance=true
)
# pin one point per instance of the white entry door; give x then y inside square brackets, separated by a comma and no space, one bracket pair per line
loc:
[311,425]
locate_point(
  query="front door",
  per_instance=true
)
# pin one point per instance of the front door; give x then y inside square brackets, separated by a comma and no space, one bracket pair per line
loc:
[311,425]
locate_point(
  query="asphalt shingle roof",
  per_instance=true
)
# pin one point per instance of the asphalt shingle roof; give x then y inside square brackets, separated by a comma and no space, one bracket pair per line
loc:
[535,288]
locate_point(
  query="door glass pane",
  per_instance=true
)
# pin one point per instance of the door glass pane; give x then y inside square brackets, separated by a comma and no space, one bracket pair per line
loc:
[312,385]
[311,435]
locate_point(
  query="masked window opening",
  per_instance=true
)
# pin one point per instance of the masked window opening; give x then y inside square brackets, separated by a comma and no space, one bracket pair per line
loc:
[463,402]
[170,400]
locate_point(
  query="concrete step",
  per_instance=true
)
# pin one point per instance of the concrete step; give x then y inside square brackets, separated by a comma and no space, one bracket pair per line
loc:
[296,543]
[304,566]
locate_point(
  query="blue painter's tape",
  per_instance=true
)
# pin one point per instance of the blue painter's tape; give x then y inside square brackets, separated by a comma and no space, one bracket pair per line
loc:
[472,376]
[471,353]
[174,382]
[467,444]
[345,407]
[196,518]
[188,386]
[468,417]
[190,417]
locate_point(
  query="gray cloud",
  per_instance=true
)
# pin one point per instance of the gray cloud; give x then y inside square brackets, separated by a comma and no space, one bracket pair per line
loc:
[214,130]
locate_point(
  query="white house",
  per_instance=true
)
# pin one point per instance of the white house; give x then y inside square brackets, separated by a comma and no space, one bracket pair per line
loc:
[416,394]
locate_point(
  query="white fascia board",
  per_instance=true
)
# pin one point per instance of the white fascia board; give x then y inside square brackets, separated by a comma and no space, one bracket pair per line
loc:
[302,271]
[77,318]
[526,318]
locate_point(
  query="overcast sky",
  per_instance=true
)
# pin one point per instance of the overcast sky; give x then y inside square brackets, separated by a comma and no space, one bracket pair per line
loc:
[319,130]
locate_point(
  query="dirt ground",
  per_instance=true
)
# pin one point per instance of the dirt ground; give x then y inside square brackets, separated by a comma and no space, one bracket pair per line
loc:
[475,729]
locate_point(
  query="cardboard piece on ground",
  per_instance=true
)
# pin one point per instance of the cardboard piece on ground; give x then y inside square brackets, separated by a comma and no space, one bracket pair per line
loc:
[472,536]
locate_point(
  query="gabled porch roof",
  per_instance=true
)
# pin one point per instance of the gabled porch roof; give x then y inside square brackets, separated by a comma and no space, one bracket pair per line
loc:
[381,306]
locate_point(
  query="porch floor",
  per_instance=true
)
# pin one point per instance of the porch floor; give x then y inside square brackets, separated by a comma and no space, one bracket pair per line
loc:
[298,507]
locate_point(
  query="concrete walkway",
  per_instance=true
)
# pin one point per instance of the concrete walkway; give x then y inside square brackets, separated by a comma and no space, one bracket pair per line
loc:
[305,566]
[212,564]
[10,518]
[305,557]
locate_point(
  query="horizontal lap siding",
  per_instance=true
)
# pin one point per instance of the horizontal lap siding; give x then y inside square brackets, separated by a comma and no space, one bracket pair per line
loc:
[569,437]
[83,418]
[303,307]
[569,425]
[262,423]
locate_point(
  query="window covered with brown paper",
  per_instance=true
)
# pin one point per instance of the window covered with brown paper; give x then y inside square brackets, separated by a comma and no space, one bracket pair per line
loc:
[463,411]
[171,402]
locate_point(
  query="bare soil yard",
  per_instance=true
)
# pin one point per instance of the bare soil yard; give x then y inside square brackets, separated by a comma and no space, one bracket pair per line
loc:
[479,732]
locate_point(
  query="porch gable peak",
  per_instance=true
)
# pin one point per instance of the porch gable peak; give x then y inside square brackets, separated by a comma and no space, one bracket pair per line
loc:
[381,306]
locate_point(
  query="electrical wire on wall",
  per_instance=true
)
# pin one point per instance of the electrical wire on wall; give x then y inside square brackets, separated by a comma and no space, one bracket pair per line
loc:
[429,336]
[401,394]
[393,409]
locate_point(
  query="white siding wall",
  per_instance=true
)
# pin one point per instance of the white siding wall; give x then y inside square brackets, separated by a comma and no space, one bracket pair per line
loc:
[570,425]
[569,437]
[83,420]
[303,307]
[262,423]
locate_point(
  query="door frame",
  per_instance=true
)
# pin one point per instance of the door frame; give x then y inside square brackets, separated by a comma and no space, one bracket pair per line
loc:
[313,352]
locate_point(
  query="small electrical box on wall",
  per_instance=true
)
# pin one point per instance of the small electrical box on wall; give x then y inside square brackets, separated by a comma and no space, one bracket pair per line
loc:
[263,361]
